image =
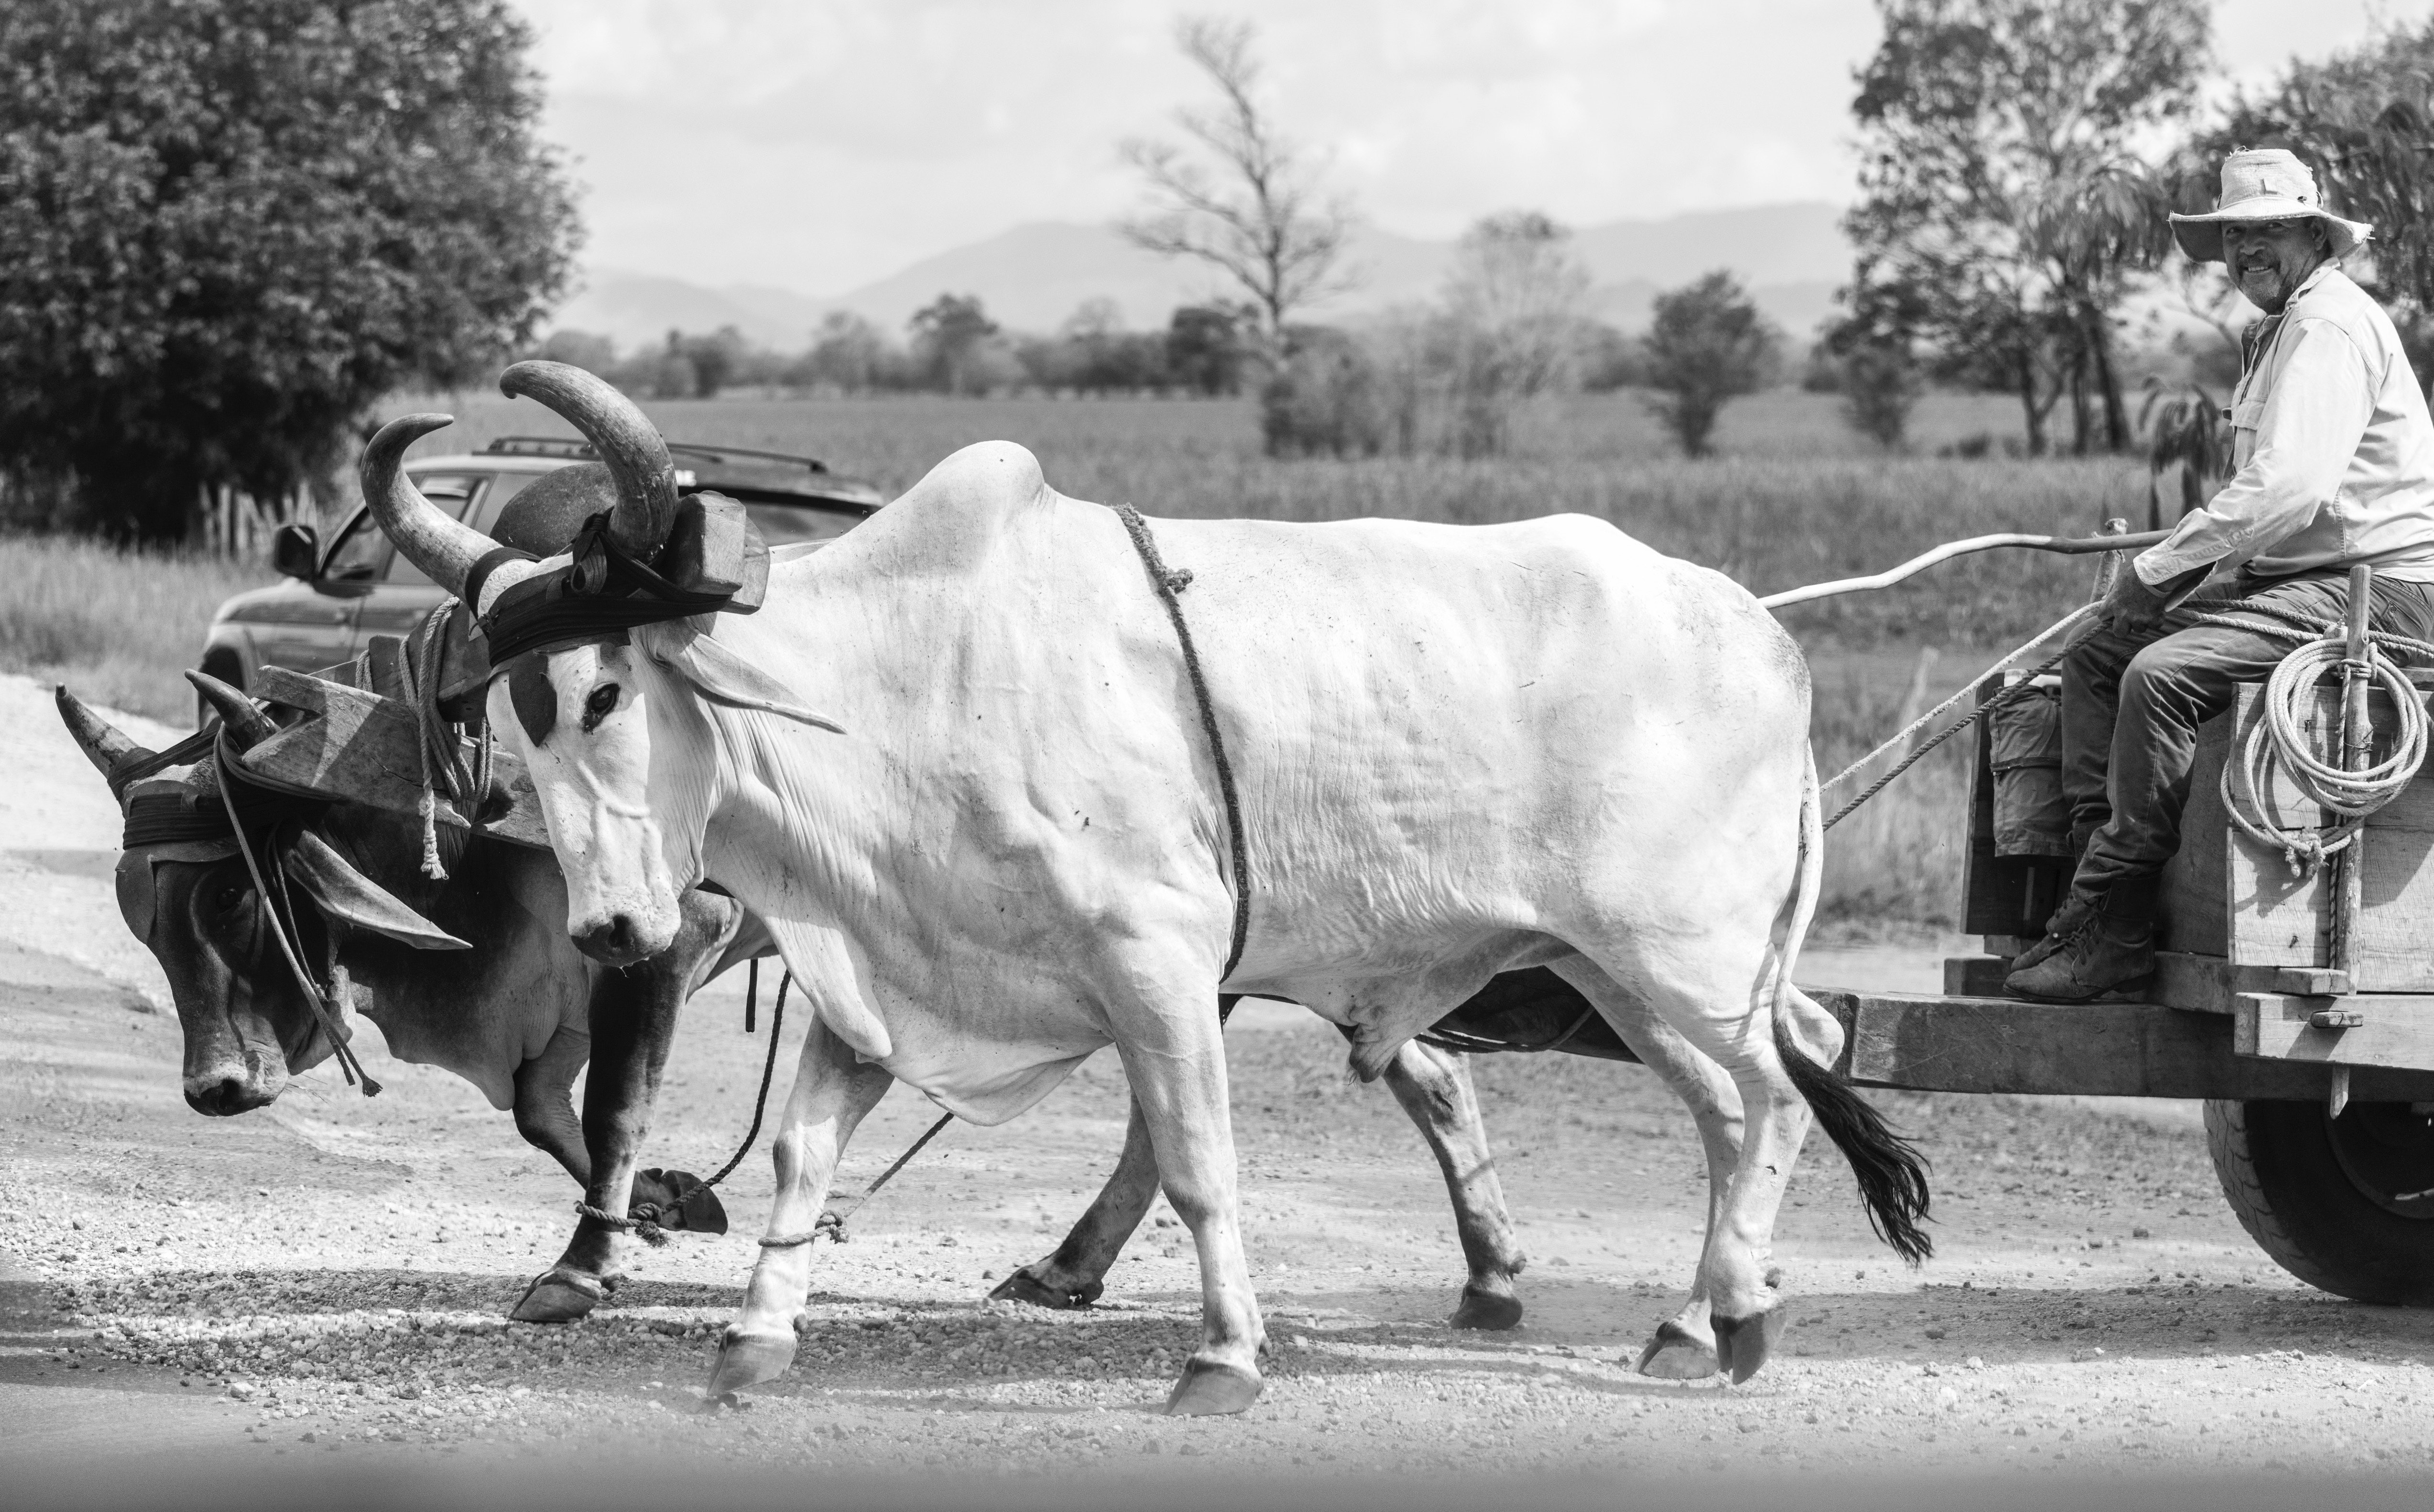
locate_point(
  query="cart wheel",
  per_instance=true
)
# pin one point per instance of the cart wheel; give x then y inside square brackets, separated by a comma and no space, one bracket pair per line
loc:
[2343,1204]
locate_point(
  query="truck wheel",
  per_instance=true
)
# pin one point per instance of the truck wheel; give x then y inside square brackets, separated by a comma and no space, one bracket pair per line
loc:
[224,665]
[2344,1204]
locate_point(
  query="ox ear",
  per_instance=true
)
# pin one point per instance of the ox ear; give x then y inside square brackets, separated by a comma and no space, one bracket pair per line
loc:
[347,894]
[722,677]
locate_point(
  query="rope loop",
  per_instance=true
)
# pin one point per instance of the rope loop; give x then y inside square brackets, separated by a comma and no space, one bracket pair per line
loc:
[2280,739]
[645,1221]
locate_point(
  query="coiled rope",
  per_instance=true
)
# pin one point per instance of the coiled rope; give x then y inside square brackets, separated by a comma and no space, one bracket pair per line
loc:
[2279,738]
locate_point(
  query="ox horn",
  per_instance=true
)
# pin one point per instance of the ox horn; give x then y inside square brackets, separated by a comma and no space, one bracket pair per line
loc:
[628,443]
[445,550]
[247,726]
[103,744]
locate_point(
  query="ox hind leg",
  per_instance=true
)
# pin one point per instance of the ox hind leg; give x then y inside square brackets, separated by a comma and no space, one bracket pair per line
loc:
[1434,1087]
[1076,1272]
[1713,987]
[1683,1346]
[633,1019]
[833,1093]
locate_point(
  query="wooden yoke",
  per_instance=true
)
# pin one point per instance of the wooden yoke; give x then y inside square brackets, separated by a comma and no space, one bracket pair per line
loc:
[356,746]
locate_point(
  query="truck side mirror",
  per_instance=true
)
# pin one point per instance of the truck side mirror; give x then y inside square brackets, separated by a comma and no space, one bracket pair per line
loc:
[295,551]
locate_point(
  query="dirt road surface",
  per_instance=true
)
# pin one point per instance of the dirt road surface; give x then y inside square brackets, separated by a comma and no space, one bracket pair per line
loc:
[324,1283]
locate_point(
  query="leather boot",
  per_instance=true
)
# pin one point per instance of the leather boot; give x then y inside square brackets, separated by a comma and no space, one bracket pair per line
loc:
[2110,954]
[2065,922]
[2075,906]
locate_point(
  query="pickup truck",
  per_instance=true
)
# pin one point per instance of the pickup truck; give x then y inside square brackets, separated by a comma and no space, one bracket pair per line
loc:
[332,601]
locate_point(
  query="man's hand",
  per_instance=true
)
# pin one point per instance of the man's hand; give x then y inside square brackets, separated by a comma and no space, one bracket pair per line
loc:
[2133,608]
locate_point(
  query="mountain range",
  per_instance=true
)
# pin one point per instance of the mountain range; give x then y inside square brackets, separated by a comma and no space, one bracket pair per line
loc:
[1031,278]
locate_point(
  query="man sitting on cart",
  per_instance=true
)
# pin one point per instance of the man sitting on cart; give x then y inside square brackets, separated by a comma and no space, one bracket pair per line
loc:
[2333,465]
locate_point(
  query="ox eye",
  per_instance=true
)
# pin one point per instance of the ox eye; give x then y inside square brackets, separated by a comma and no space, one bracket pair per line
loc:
[602,703]
[230,895]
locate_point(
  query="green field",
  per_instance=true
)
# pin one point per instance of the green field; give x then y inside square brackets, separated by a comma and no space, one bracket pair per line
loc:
[1793,498]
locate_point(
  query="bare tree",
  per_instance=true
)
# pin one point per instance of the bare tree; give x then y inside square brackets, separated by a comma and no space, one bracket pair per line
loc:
[1246,200]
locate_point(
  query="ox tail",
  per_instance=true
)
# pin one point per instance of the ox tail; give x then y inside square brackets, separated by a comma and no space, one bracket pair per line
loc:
[1891,1172]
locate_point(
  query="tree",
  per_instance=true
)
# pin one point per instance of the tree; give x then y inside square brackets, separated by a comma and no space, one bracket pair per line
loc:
[1706,343]
[847,353]
[1204,347]
[948,336]
[1999,191]
[226,229]
[1515,307]
[2364,121]
[1252,207]
[1870,354]
[716,360]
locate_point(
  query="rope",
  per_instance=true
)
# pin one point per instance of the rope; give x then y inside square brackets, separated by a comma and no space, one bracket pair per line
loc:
[2010,695]
[423,651]
[1170,586]
[768,1065]
[349,1066]
[2277,737]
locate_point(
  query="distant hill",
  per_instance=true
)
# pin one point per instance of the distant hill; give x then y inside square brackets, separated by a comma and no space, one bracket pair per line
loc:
[1033,276]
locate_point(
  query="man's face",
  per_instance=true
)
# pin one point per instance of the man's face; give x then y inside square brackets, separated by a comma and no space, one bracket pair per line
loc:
[2270,259]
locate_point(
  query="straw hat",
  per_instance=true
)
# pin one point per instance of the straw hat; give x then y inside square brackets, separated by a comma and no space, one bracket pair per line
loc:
[2264,184]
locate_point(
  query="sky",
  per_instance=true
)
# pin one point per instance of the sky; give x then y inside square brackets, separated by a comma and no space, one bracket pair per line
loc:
[819,144]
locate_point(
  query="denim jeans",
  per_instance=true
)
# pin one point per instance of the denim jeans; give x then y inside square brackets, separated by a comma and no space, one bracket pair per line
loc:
[2132,705]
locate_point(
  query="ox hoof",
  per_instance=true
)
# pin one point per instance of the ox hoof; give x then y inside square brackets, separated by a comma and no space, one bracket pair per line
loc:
[1024,1286]
[1482,1309]
[1675,1354]
[1742,1344]
[1209,1389]
[558,1296]
[748,1360]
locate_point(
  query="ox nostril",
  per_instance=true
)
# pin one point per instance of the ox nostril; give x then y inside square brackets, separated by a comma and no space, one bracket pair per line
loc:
[611,940]
[218,1098]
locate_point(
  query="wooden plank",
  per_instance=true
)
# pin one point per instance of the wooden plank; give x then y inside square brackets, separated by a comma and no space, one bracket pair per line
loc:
[2193,916]
[2117,1050]
[2210,984]
[2398,1031]
[1975,976]
[364,748]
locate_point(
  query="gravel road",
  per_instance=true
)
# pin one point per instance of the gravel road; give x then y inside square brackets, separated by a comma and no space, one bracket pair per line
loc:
[325,1281]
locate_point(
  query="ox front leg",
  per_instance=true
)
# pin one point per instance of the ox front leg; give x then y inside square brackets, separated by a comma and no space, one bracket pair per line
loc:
[1075,1273]
[1175,1055]
[1434,1088]
[831,1094]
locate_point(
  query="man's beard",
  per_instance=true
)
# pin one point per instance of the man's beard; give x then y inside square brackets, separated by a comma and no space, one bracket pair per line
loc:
[2268,279]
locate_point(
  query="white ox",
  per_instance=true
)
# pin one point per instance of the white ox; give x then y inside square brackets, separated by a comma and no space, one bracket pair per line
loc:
[956,764]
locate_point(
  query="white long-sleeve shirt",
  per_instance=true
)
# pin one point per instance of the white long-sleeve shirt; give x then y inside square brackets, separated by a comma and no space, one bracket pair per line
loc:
[2332,452]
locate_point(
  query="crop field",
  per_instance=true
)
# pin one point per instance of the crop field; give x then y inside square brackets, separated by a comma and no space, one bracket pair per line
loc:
[1792,497]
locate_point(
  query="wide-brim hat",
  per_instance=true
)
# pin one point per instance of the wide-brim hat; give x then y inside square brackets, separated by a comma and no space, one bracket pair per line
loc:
[2264,183]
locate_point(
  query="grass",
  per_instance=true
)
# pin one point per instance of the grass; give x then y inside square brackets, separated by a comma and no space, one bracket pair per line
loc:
[1792,498]
[116,626]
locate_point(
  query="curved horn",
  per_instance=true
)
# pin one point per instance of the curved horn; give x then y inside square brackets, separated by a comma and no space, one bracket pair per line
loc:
[628,443]
[444,549]
[246,725]
[103,744]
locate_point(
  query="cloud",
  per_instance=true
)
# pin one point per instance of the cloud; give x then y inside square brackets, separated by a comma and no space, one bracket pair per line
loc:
[819,146]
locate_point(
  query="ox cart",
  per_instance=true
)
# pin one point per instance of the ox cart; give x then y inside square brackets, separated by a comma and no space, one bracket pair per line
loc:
[2296,999]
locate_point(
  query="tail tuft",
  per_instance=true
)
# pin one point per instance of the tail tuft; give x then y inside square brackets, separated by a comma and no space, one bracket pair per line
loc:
[1891,1173]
